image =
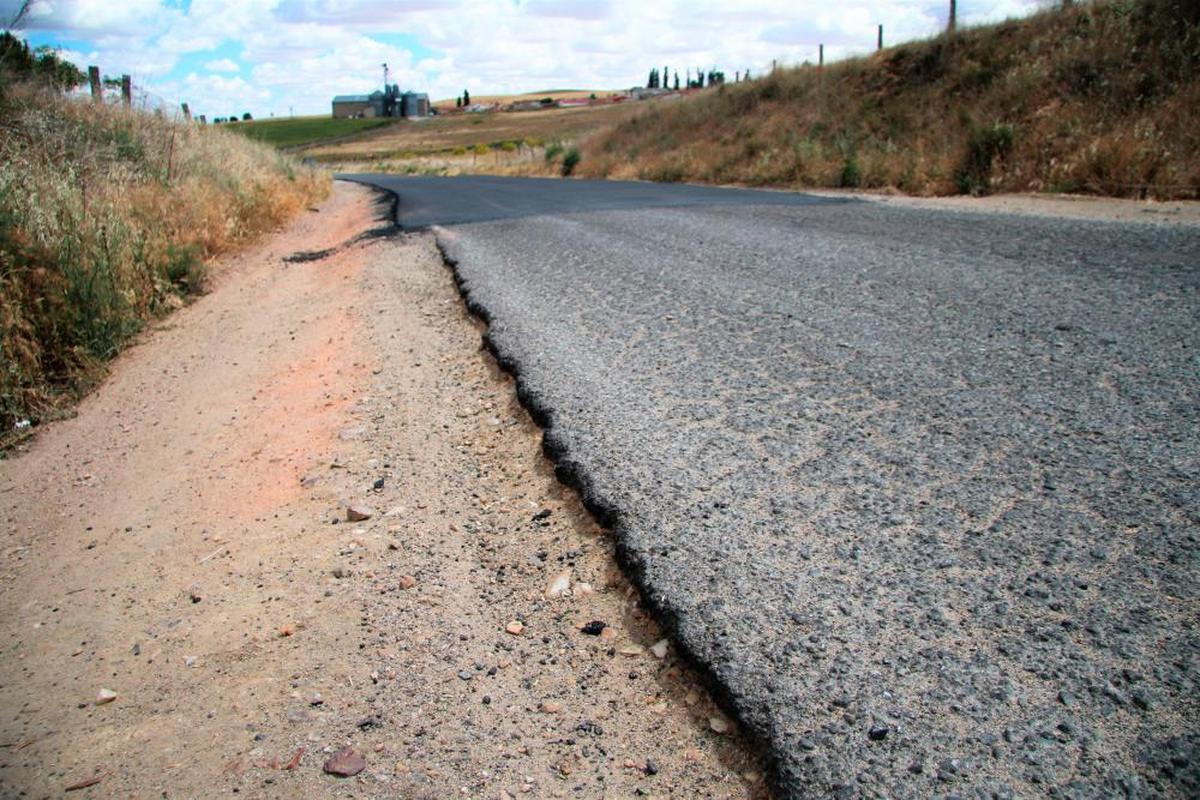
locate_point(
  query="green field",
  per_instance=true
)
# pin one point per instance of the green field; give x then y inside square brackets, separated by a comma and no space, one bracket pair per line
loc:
[304,130]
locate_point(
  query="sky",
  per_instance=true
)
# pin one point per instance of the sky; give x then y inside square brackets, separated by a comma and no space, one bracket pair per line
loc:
[285,57]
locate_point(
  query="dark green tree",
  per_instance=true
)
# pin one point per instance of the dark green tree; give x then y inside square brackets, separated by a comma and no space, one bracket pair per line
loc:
[466,98]
[677,80]
[43,64]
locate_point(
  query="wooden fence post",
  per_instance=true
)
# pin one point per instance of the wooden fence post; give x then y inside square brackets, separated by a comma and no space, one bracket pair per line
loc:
[187,113]
[126,90]
[820,55]
[879,40]
[94,80]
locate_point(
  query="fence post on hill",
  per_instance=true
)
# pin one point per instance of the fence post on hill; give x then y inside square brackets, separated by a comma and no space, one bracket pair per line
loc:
[94,81]
[187,112]
[126,91]
[821,56]
[203,120]
[879,39]
[952,22]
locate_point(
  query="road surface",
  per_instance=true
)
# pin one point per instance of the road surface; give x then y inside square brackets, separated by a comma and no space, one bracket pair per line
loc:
[918,489]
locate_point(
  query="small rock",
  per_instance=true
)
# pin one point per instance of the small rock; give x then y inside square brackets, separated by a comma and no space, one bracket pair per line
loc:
[659,648]
[514,628]
[545,512]
[377,485]
[359,513]
[316,699]
[105,696]
[189,661]
[407,581]
[346,763]
[560,585]
[551,707]
[584,590]
[631,650]
[718,724]
[286,630]
[593,628]
[608,634]
[651,767]
[878,733]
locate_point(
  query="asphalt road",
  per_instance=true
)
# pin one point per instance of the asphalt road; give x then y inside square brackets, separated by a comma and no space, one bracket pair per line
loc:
[428,201]
[920,489]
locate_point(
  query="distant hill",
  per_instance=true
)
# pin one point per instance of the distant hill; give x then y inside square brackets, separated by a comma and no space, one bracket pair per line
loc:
[1099,97]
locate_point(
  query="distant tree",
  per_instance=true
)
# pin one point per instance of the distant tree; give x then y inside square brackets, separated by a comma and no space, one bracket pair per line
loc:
[466,98]
[458,102]
[42,64]
[233,117]
[246,117]
[677,80]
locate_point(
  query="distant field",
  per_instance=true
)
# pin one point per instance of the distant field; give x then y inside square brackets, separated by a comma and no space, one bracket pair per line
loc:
[553,94]
[446,134]
[304,130]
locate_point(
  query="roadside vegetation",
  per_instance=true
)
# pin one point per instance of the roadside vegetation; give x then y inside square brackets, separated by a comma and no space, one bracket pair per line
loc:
[1097,97]
[107,219]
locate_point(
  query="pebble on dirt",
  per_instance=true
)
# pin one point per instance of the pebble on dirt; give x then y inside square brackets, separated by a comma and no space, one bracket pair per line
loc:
[560,584]
[718,724]
[346,763]
[593,628]
[105,696]
[514,628]
[359,513]
[407,581]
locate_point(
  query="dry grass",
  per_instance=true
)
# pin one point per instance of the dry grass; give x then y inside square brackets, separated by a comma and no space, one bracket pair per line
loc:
[107,218]
[450,138]
[1100,98]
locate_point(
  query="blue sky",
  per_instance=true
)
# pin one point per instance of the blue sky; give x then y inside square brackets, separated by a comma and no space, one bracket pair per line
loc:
[291,56]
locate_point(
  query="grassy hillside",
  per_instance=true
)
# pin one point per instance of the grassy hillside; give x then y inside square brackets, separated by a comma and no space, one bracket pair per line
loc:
[301,131]
[107,218]
[1101,97]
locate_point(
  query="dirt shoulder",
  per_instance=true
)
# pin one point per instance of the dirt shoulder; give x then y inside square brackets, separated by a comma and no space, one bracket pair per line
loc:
[184,544]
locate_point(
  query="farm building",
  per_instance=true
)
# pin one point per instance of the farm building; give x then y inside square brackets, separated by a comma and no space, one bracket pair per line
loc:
[390,103]
[347,106]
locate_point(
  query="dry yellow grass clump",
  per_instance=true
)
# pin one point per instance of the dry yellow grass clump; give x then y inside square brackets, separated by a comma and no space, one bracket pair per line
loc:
[107,217]
[1099,97]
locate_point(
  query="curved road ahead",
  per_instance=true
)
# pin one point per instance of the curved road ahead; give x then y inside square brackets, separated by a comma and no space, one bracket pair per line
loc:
[920,489]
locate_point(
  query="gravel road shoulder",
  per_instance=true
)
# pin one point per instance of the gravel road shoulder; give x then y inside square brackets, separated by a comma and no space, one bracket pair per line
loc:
[183,544]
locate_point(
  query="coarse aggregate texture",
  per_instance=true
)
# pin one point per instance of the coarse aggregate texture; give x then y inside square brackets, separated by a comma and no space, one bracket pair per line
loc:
[424,200]
[918,489]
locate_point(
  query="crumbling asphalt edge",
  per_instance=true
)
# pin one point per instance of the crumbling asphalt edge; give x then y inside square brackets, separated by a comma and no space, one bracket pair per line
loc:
[571,473]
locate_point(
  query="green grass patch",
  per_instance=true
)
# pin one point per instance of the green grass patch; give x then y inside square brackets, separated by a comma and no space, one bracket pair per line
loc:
[300,131]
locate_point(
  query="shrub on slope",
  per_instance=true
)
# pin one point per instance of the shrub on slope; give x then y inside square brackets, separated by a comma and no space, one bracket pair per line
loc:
[107,217]
[1099,97]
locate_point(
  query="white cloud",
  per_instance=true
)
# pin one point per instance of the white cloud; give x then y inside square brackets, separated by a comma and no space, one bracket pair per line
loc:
[222,65]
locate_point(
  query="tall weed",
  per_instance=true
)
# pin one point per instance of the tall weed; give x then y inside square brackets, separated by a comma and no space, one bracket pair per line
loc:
[107,218]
